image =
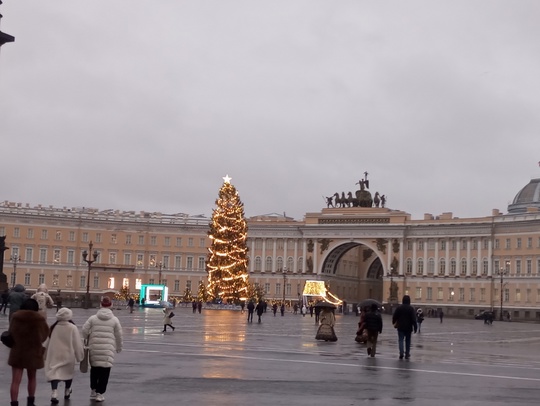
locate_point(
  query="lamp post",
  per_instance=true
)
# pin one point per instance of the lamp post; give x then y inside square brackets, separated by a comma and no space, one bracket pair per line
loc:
[160,266]
[89,261]
[502,272]
[15,258]
[390,274]
[284,282]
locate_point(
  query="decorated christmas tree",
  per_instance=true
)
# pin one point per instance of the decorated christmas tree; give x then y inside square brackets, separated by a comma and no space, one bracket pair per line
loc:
[227,257]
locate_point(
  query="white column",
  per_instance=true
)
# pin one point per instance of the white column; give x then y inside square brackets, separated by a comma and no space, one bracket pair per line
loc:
[285,265]
[414,258]
[274,249]
[479,262]
[469,257]
[295,257]
[389,256]
[436,259]
[252,264]
[458,257]
[263,256]
[490,258]
[304,259]
[315,249]
[447,266]
[401,258]
[425,257]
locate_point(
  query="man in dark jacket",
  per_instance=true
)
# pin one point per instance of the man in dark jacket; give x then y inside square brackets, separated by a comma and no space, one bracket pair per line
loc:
[374,324]
[404,319]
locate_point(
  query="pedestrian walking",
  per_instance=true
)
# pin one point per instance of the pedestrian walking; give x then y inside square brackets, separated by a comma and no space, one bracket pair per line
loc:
[374,326]
[260,310]
[441,315]
[404,320]
[194,306]
[304,311]
[16,298]
[167,319]
[104,334]
[199,306]
[317,314]
[64,350]
[44,299]
[250,309]
[274,309]
[29,331]
[282,309]
[311,310]
[3,307]
[419,319]
[326,329]
[131,304]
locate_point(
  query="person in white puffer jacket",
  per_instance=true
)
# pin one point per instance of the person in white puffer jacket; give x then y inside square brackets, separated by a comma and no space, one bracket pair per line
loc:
[104,334]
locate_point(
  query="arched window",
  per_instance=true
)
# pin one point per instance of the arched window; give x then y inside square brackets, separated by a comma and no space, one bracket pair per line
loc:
[279,264]
[268,266]
[431,266]
[484,266]
[463,270]
[290,264]
[474,270]
[258,264]
[420,266]
[300,264]
[408,266]
[453,266]
[442,266]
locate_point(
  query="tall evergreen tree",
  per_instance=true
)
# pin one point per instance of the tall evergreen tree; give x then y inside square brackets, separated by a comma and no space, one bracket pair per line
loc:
[227,257]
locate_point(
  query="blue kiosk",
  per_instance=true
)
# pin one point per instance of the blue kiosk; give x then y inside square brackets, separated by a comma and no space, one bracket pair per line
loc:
[154,295]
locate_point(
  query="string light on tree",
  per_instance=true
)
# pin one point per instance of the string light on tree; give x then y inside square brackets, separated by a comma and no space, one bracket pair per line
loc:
[227,257]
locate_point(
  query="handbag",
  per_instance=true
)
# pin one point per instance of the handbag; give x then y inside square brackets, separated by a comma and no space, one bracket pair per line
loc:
[7,339]
[83,366]
[171,315]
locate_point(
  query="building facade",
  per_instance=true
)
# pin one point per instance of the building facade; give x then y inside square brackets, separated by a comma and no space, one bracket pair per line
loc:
[459,265]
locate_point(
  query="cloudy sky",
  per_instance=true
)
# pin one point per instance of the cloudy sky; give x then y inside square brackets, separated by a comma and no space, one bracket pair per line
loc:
[138,105]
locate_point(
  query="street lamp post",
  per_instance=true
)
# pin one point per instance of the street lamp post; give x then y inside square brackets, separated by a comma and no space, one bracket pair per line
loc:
[502,272]
[15,258]
[89,261]
[160,266]
[284,282]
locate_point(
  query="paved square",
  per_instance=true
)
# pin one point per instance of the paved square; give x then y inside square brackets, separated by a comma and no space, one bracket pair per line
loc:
[216,357]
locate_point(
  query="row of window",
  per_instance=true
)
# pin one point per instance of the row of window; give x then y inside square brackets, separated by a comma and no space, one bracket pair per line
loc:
[510,267]
[98,238]
[484,243]
[459,294]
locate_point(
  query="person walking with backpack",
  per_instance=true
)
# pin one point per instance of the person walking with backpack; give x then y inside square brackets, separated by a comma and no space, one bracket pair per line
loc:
[404,319]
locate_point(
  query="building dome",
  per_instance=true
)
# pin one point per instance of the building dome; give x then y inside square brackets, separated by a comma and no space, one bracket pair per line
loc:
[528,197]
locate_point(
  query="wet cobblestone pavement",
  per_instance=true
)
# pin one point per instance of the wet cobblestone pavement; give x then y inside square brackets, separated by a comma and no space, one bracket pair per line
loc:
[216,357]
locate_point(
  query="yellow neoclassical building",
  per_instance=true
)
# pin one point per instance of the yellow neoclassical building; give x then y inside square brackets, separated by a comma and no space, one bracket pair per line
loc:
[459,265]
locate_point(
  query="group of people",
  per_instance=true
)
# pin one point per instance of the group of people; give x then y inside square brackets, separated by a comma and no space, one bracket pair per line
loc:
[405,320]
[59,348]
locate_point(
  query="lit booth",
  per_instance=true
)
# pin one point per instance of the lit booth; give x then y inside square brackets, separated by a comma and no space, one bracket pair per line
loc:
[154,295]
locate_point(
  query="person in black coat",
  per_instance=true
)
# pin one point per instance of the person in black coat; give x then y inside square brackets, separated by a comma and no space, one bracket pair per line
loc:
[373,325]
[250,308]
[260,308]
[404,319]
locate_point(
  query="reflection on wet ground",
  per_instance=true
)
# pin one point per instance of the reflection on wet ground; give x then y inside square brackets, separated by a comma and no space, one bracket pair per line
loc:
[217,357]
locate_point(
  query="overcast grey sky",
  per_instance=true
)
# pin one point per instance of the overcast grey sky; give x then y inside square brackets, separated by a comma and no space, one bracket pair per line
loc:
[138,105]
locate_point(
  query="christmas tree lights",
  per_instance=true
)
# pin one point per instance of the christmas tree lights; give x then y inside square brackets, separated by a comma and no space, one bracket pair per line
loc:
[227,256]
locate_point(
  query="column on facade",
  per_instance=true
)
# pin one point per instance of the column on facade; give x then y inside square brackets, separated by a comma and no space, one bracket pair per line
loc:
[401,258]
[490,257]
[436,258]
[274,252]
[263,255]
[458,257]
[285,262]
[295,257]
[315,249]
[469,260]
[252,262]
[304,258]
[479,260]
[447,259]
[425,257]
[414,258]
[389,256]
